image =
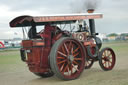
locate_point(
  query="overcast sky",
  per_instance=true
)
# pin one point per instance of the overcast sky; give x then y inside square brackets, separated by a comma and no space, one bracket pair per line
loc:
[115,13]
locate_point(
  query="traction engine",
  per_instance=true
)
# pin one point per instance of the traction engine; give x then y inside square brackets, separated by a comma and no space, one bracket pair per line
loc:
[55,51]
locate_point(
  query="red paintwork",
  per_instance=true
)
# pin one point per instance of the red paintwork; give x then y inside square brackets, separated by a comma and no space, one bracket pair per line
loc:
[2,45]
[42,20]
[47,35]
[34,56]
[38,57]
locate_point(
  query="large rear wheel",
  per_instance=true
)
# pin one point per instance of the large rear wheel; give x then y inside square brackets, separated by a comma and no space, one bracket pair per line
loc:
[67,58]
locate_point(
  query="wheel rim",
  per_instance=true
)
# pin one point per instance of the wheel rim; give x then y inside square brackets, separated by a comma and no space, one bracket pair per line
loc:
[88,64]
[89,61]
[108,59]
[70,59]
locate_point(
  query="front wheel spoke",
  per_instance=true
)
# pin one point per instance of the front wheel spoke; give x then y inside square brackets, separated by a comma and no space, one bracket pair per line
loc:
[103,58]
[88,62]
[85,63]
[62,54]
[104,63]
[62,61]
[110,58]
[103,54]
[106,52]
[109,54]
[109,64]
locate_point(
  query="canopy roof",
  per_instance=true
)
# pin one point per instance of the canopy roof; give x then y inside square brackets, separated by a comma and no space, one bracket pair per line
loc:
[22,21]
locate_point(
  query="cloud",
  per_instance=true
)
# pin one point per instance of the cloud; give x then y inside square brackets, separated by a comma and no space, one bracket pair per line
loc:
[115,13]
[40,5]
[10,34]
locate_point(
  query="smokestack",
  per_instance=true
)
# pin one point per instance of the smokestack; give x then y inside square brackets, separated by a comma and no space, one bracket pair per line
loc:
[90,10]
[92,23]
[92,26]
[80,6]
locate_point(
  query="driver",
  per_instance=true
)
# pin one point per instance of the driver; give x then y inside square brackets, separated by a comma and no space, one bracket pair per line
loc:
[82,26]
[32,33]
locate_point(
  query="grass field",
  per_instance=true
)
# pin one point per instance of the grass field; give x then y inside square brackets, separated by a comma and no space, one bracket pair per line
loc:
[15,72]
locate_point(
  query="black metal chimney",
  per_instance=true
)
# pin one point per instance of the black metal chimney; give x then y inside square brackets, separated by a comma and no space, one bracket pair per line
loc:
[92,23]
[92,26]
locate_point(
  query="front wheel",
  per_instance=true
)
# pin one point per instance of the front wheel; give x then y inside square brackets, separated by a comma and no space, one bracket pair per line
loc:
[67,58]
[107,59]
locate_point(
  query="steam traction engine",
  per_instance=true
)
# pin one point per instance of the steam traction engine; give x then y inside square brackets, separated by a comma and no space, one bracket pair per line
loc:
[63,53]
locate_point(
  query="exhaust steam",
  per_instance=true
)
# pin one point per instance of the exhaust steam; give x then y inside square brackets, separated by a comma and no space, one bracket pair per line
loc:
[79,6]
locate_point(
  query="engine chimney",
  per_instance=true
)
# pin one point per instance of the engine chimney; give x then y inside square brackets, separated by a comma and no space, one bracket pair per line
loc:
[92,23]
[90,10]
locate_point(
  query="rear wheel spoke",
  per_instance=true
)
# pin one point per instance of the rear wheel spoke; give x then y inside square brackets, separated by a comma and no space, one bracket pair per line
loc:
[76,50]
[62,67]
[63,50]
[66,67]
[62,61]
[75,67]
[66,48]
[76,54]
[71,69]
[62,54]
[70,45]
[68,71]
[72,49]
[75,62]
[60,57]
[77,58]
